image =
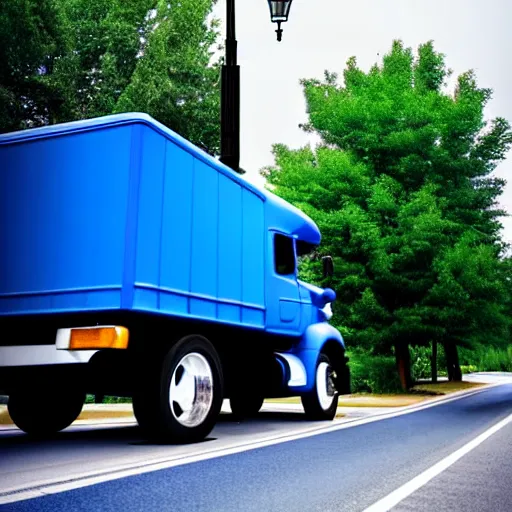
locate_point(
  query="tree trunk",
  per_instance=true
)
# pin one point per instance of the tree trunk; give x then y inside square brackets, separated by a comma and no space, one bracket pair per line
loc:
[403,363]
[456,363]
[434,361]
[452,362]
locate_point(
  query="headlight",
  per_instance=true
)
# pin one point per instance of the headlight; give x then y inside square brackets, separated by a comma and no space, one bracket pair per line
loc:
[327,311]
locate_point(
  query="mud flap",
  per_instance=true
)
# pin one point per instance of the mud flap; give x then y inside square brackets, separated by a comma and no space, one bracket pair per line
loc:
[343,380]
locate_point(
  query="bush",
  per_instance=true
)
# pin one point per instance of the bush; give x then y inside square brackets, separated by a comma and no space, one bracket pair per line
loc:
[421,366]
[373,374]
[468,368]
[89,399]
[485,358]
[495,360]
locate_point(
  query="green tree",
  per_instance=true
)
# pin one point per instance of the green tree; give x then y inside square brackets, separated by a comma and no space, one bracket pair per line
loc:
[402,176]
[470,300]
[30,40]
[177,81]
[63,60]
[103,41]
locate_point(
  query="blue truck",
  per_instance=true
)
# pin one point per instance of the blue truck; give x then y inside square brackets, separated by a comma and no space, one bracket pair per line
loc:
[134,264]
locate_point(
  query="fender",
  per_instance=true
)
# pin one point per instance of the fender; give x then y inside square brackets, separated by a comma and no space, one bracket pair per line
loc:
[304,355]
[316,335]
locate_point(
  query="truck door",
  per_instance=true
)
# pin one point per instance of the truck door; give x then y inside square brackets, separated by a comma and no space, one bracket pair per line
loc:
[283,295]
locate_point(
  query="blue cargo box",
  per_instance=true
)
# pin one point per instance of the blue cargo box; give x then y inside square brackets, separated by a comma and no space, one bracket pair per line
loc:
[121,213]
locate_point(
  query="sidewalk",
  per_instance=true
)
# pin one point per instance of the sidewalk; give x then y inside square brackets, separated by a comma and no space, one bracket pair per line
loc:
[351,406]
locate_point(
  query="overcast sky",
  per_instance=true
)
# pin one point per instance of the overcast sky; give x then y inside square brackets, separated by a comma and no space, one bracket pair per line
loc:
[323,34]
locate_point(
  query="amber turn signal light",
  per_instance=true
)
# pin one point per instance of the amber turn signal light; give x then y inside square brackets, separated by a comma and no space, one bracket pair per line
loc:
[95,338]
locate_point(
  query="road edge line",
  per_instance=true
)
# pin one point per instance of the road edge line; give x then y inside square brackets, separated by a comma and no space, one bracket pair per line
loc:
[392,499]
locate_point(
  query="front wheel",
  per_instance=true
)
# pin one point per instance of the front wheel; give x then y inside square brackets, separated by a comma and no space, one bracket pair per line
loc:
[182,401]
[321,402]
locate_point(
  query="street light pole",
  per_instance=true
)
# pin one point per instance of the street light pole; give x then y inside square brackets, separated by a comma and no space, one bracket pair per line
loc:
[230,83]
[230,97]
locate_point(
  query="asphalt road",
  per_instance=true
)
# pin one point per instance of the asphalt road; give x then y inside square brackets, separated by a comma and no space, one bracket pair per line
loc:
[480,481]
[345,470]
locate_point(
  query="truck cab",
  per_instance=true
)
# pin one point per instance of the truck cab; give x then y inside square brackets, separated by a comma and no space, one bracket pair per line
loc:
[292,305]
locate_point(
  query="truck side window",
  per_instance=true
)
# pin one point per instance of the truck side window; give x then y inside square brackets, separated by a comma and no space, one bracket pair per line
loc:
[284,255]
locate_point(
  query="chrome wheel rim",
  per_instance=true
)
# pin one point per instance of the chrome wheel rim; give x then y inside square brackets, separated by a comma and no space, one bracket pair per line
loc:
[325,385]
[191,390]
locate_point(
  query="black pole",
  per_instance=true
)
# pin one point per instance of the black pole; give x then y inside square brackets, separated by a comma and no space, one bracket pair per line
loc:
[230,97]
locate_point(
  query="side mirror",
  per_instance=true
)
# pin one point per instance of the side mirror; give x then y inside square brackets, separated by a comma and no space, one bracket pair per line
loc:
[328,266]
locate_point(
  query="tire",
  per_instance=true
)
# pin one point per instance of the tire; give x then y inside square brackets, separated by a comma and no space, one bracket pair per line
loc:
[182,396]
[246,406]
[42,418]
[321,403]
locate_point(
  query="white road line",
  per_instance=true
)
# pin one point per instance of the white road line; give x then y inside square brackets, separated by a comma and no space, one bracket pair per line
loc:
[56,485]
[392,499]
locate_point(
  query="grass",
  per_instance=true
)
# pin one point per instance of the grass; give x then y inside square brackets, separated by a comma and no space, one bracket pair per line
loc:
[363,400]
[444,388]
[387,400]
[102,414]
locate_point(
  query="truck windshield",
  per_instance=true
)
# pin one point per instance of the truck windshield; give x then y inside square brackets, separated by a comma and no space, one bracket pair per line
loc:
[304,248]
